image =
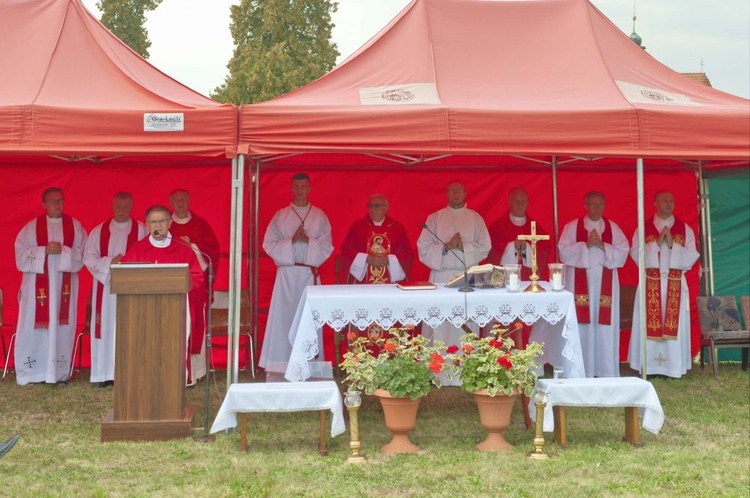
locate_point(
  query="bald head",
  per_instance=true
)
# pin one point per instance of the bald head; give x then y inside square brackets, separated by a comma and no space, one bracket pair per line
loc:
[518,201]
[377,207]
[456,194]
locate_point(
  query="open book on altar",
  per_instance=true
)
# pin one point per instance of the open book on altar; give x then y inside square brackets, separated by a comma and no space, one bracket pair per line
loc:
[417,285]
[480,276]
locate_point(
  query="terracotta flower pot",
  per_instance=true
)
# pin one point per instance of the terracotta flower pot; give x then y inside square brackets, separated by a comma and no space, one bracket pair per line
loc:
[400,418]
[494,414]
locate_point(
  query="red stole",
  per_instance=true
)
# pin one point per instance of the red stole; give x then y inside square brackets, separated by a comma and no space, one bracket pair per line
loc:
[656,329]
[41,315]
[582,283]
[378,243]
[104,251]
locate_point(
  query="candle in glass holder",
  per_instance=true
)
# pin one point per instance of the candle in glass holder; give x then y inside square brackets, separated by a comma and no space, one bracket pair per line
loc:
[557,281]
[513,282]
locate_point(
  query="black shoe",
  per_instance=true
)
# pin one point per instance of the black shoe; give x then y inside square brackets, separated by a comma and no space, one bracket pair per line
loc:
[104,384]
[7,445]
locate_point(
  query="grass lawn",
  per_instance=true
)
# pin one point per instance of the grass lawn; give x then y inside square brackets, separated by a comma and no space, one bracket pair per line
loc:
[702,450]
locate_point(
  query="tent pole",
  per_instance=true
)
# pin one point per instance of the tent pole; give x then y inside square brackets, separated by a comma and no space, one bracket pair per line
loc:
[641,266]
[706,247]
[235,263]
[254,235]
[555,224]
[232,263]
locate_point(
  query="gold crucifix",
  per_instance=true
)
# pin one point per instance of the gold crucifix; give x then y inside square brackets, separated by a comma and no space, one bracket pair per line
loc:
[66,294]
[533,238]
[42,296]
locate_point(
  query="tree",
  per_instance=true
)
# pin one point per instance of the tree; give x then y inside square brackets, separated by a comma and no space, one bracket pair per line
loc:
[280,45]
[126,20]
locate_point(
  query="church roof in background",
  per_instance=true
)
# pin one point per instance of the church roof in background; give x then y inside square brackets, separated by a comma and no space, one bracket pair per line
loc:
[698,78]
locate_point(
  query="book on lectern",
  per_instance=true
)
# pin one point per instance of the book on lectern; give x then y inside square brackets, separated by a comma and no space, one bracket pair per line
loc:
[480,277]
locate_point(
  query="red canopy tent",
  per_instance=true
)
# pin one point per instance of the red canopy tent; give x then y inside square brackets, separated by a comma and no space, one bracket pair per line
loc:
[80,110]
[496,93]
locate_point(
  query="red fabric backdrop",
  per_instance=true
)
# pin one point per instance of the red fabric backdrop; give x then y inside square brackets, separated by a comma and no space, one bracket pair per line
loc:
[88,192]
[342,194]
[414,194]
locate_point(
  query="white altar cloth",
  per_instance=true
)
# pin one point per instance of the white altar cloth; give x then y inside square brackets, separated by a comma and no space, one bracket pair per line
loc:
[605,392]
[281,397]
[552,313]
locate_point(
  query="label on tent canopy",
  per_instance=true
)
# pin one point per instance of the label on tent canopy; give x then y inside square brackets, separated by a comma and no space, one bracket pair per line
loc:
[406,94]
[163,121]
[638,94]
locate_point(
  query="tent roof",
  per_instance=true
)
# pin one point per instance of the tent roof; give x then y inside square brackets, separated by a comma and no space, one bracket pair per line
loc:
[470,78]
[71,88]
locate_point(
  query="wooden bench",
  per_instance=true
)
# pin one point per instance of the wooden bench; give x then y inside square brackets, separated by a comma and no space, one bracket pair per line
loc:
[634,394]
[280,397]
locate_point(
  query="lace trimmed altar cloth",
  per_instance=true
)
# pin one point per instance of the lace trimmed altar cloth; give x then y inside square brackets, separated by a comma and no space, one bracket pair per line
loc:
[552,314]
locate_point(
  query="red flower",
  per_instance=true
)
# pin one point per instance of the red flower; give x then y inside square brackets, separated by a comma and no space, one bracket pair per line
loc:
[410,327]
[452,349]
[496,344]
[504,362]
[389,346]
[436,363]
[351,336]
[468,348]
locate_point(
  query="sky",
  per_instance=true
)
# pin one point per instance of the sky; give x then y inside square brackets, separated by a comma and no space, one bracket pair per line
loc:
[190,39]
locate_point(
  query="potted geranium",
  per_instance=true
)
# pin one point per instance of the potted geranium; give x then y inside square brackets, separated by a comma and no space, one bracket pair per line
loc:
[399,367]
[495,371]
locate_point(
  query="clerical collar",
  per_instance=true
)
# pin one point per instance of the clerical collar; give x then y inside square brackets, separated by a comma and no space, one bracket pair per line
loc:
[121,223]
[589,222]
[660,222]
[182,221]
[519,222]
[458,208]
[54,220]
[161,243]
[378,223]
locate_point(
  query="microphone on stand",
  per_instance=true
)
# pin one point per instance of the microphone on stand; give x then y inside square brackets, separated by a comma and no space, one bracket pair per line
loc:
[205,438]
[466,287]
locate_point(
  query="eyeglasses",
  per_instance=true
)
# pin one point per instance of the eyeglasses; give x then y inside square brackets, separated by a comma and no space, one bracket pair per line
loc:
[157,222]
[56,200]
[377,205]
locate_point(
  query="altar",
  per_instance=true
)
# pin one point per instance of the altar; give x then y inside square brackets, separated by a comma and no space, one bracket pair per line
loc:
[552,315]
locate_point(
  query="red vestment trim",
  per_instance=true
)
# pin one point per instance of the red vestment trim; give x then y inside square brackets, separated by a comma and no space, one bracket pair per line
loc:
[104,251]
[656,329]
[41,314]
[582,284]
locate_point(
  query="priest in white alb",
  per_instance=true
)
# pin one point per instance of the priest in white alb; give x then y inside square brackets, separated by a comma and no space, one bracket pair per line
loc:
[670,252]
[298,239]
[49,252]
[106,245]
[593,248]
[462,239]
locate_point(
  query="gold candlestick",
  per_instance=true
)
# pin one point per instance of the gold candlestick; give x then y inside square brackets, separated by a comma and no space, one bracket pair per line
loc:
[540,402]
[353,401]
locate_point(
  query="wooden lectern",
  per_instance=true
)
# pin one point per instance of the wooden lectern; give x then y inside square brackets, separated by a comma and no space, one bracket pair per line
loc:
[150,353]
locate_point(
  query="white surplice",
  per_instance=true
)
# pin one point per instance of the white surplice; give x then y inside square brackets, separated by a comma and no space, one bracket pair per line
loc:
[665,357]
[600,343]
[444,265]
[43,355]
[103,348]
[291,279]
